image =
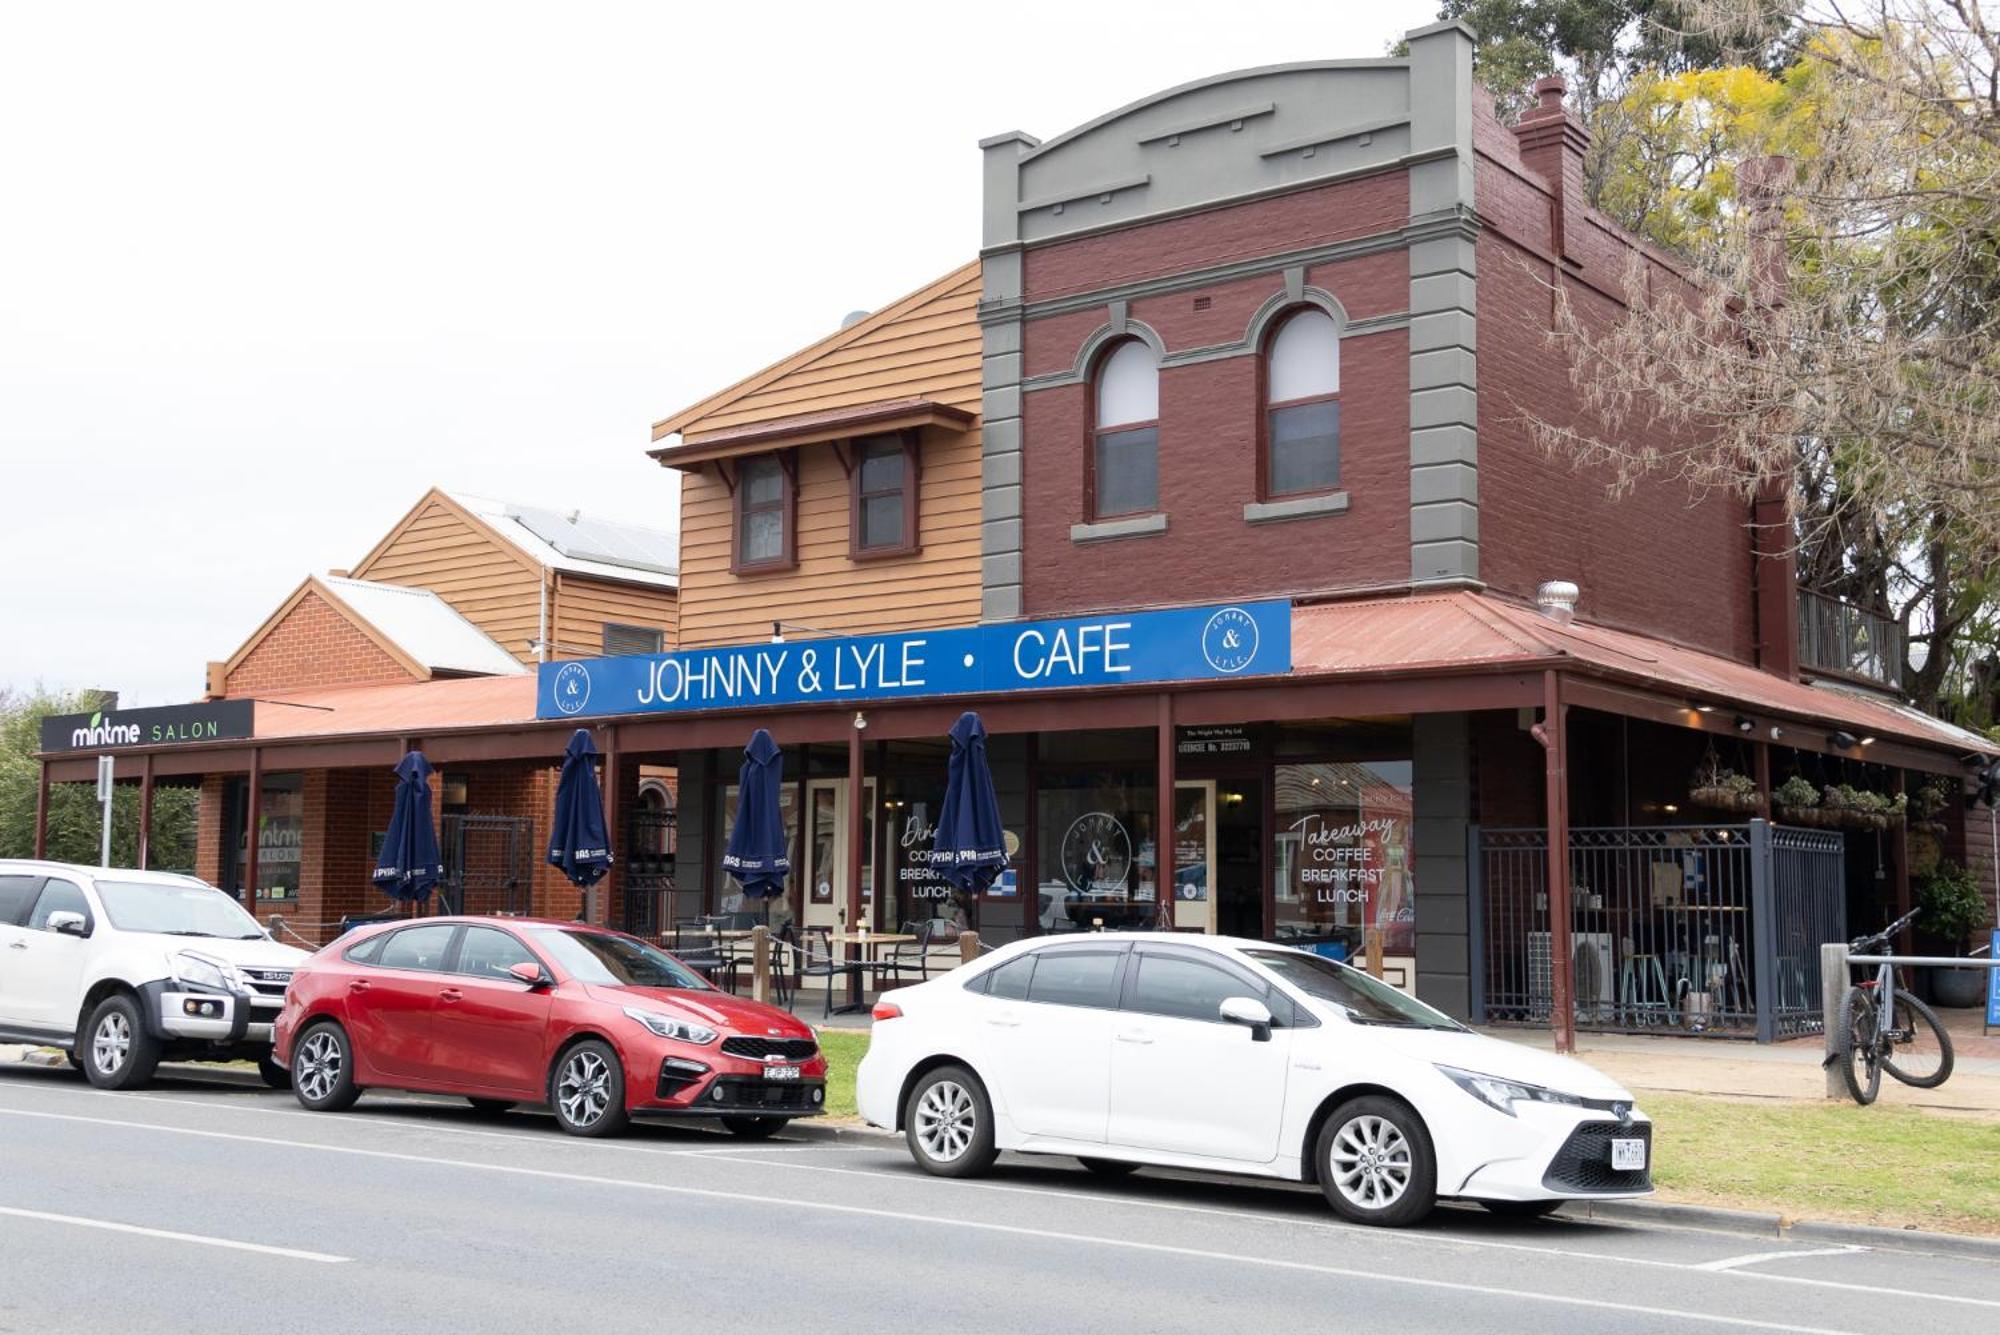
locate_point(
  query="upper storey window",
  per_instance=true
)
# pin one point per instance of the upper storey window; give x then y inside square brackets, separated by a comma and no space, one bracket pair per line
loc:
[1302,406]
[1125,454]
[884,519]
[764,499]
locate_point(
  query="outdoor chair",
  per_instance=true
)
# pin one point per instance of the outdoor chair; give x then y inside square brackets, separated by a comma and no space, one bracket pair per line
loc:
[817,959]
[906,956]
[696,946]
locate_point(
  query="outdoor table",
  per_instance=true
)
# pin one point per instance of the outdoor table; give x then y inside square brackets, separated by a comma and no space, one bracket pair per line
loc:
[868,943]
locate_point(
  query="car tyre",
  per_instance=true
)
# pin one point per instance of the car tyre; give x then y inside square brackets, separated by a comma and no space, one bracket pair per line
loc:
[74,1056]
[1109,1167]
[948,1122]
[753,1128]
[1375,1162]
[323,1069]
[118,1052]
[1521,1209]
[490,1107]
[274,1074]
[587,1090]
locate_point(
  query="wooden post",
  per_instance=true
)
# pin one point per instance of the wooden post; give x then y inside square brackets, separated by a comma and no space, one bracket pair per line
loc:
[42,813]
[145,859]
[1163,820]
[253,813]
[1553,735]
[1761,758]
[1899,870]
[856,830]
[760,963]
[600,911]
[1832,987]
[968,947]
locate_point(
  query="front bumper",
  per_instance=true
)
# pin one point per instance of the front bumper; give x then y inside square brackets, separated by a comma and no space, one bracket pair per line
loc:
[706,1083]
[205,1016]
[1560,1154]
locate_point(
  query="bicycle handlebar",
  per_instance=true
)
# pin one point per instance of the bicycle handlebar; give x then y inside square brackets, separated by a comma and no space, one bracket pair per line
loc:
[1860,944]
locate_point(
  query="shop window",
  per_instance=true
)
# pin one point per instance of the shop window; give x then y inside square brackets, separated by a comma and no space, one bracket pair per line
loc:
[620,640]
[1302,406]
[884,509]
[1125,436]
[1094,850]
[766,500]
[1342,857]
[280,836]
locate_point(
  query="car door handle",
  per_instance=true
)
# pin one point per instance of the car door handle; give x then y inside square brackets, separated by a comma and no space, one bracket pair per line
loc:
[1135,1036]
[358,985]
[17,945]
[1004,1021]
[451,994]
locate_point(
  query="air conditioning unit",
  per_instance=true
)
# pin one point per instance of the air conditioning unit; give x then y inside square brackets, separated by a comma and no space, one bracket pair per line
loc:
[1592,974]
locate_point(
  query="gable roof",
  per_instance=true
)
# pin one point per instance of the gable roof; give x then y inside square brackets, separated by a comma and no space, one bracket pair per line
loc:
[874,326]
[422,632]
[577,543]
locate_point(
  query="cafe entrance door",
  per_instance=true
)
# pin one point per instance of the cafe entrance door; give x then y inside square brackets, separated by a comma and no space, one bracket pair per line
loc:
[1194,855]
[824,875]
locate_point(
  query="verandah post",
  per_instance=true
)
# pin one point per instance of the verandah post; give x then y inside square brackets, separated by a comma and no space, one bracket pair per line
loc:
[1763,930]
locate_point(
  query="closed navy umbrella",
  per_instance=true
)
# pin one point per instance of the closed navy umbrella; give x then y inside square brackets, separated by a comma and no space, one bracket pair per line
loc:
[409,866]
[970,846]
[756,854]
[579,843]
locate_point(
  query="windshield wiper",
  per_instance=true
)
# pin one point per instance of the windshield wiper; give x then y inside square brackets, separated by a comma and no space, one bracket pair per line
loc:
[182,931]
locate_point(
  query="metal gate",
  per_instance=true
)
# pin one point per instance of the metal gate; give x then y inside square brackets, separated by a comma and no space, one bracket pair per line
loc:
[649,866]
[1711,929]
[489,864]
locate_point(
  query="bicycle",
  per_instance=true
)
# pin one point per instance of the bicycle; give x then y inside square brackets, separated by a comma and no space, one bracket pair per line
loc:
[1864,1047]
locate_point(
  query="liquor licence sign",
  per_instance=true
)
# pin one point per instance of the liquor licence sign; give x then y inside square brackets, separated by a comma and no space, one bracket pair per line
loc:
[167,725]
[1178,644]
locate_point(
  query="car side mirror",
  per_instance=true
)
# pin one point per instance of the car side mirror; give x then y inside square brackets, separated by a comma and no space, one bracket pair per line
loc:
[529,973]
[68,923]
[1250,1012]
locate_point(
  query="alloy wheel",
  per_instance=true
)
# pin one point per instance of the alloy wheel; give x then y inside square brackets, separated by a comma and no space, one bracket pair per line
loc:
[1371,1162]
[584,1089]
[319,1066]
[946,1121]
[112,1043]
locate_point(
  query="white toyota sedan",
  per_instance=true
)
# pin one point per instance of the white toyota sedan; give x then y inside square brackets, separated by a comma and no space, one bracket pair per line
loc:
[1234,1056]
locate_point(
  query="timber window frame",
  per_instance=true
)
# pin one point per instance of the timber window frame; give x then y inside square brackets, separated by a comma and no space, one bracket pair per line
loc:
[868,494]
[1308,414]
[621,639]
[1125,388]
[752,499]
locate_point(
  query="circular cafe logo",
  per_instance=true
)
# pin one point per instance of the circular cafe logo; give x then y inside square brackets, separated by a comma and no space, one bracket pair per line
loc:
[572,689]
[1096,853]
[1229,640]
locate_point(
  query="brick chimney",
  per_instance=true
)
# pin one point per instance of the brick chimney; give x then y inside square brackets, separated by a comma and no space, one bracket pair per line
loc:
[1553,143]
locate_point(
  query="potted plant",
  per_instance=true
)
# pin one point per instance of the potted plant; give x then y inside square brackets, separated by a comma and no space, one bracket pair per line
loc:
[1723,790]
[1952,907]
[1797,800]
[1929,803]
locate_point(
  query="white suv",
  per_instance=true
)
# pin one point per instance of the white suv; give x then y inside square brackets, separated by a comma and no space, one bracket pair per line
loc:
[123,969]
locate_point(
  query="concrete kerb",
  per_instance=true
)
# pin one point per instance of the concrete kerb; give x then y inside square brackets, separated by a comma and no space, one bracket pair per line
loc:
[1758,1223]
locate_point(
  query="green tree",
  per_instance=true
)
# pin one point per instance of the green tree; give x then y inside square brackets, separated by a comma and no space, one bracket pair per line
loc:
[74,815]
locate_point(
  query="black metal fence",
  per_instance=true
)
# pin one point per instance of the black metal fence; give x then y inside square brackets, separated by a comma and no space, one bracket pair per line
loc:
[1710,929]
[650,840]
[489,864]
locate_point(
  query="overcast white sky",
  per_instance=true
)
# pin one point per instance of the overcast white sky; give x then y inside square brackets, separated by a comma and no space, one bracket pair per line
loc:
[267,272]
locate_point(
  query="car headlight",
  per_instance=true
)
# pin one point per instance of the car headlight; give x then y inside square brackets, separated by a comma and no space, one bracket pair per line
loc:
[666,1026]
[200,970]
[1501,1094]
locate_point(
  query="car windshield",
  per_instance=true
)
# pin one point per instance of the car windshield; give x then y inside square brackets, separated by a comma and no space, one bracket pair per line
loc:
[176,910]
[615,961]
[1366,1000]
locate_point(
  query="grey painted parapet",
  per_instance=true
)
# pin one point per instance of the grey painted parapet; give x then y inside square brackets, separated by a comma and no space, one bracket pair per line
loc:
[1000,323]
[1444,387]
[1441,749]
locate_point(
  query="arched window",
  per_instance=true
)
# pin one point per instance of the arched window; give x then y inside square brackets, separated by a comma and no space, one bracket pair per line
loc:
[1125,434]
[1302,405]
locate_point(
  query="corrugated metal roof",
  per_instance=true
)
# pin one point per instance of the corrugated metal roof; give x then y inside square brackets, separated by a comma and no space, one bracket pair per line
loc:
[1463,629]
[426,627]
[583,545]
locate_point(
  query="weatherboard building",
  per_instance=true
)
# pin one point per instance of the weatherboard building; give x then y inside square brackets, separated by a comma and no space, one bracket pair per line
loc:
[1205,483]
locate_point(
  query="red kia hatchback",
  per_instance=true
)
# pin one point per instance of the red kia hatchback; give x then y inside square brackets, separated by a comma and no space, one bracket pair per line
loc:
[596,1024]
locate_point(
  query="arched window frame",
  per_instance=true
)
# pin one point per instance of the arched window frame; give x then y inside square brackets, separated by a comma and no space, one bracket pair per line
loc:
[1269,408]
[1099,434]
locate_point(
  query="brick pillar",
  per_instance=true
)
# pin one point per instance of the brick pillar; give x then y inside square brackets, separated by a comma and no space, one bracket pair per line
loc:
[1553,144]
[209,855]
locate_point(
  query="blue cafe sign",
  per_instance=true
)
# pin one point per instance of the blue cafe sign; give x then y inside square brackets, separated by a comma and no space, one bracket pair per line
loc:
[1177,644]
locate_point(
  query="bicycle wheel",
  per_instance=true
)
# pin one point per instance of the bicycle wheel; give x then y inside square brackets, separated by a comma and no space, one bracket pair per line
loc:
[1854,1046]
[1919,1050]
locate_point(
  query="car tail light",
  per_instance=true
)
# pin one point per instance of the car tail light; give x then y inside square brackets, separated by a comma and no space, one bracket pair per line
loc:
[886,1010]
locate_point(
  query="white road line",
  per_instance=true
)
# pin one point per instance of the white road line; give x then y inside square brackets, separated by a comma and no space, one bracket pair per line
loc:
[974,1225]
[1754,1258]
[203,1239]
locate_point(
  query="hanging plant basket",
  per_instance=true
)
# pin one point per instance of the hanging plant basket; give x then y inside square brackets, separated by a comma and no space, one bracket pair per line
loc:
[1815,816]
[1721,789]
[1721,798]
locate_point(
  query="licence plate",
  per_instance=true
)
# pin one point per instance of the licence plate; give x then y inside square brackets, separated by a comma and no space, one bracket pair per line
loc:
[781,1072]
[1628,1155]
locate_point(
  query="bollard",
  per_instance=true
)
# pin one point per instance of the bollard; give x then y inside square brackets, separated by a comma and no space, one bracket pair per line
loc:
[1832,987]
[968,947]
[760,963]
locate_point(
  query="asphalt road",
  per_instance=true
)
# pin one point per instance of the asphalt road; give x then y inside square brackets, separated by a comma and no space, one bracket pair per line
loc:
[208,1204]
